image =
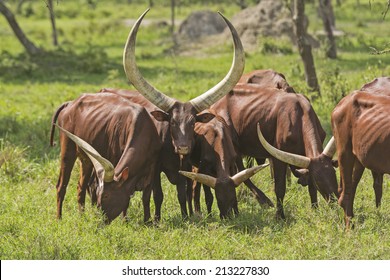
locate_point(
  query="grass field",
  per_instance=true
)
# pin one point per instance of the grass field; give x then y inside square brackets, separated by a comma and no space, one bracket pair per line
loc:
[89,58]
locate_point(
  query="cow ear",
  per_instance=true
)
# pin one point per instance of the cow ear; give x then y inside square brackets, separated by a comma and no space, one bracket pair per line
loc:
[160,115]
[123,175]
[335,163]
[205,117]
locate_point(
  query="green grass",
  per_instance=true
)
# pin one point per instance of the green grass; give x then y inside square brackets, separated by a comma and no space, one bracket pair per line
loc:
[89,58]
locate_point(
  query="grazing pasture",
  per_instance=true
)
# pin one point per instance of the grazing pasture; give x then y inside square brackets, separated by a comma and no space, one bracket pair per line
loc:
[89,58]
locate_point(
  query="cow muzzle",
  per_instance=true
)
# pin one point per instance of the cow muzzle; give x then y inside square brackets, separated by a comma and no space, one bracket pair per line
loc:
[182,150]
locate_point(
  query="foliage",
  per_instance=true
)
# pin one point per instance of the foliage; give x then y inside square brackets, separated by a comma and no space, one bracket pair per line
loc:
[89,58]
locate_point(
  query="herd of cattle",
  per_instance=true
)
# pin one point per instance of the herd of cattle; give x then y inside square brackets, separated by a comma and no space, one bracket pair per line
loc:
[125,139]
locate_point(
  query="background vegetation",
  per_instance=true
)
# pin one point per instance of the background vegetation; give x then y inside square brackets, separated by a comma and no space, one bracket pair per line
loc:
[89,57]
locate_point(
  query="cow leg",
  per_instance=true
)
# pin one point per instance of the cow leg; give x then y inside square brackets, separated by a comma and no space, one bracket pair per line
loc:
[280,186]
[346,166]
[378,187]
[196,196]
[182,196]
[259,195]
[146,202]
[68,158]
[209,198]
[313,194]
[91,188]
[189,196]
[158,196]
[86,170]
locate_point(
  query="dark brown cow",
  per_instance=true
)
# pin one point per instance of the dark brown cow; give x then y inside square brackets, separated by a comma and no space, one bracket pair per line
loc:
[215,155]
[360,124]
[109,131]
[180,116]
[287,121]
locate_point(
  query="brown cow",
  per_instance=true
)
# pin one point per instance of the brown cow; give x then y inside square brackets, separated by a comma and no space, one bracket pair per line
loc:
[379,85]
[287,121]
[215,137]
[215,155]
[180,116]
[109,131]
[361,130]
[266,78]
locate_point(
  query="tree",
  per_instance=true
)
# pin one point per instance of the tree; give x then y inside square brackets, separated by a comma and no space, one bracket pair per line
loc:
[49,5]
[27,44]
[326,12]
[173,4]
[304,46]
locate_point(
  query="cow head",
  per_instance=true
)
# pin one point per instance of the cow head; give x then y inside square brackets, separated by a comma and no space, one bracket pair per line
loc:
[225,187]
[113,194]
[182,116]
[319,170]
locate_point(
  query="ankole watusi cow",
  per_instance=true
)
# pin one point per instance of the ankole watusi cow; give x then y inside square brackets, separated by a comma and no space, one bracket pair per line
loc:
[379,85]
[115,137]
[287,121]
[181,116]
[215,139]
[215,156]
[360,124]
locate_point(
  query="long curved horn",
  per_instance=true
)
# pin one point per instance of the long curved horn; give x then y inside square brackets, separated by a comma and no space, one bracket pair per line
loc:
[212,181]
[247,173]
[330,148]
[289,158]
[103,167]
[134,76]
[205,100]
[201,178]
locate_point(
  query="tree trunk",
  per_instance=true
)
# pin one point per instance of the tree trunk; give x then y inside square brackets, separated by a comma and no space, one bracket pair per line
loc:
[27,44]
[173,4]
[304,46]
[328,20]
[53,22]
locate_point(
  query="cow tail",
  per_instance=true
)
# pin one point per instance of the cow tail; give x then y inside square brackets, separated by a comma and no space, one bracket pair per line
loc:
[54,120]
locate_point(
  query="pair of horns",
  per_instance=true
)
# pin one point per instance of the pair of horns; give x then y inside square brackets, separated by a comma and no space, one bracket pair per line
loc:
[104,168]
[164,102]
[293,159]
[212,181]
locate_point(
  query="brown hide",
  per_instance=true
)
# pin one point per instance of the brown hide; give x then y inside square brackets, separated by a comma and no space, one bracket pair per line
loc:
[215,155]
[289,123]
[121,132]
[266,78]
[379,85]
[360,124]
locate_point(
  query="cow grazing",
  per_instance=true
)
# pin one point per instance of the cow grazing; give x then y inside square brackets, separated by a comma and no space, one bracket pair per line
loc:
[287,121]
[215,156]
[115,137]
[181,117]
[360,124]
